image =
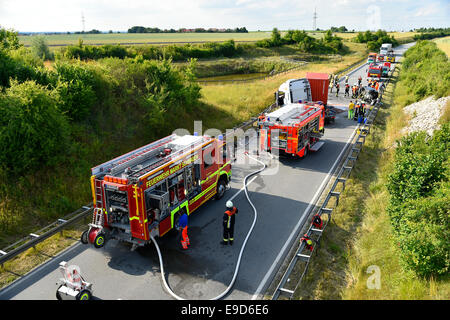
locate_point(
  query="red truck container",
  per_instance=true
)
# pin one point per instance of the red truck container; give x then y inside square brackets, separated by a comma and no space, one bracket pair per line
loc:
[319,86]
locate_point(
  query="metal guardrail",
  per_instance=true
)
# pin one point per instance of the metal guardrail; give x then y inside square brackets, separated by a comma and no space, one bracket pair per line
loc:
[34,238]
[315,234]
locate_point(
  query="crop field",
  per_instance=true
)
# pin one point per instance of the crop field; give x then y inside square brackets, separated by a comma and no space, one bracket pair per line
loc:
[444,45]
[349,35]
[144,38]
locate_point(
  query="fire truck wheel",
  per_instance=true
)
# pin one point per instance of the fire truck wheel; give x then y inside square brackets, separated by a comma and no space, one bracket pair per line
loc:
[306,152]
[84,237]
[99,240]
[84,295]
[221,187]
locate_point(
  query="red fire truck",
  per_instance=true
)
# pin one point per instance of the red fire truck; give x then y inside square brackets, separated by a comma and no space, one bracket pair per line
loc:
[145,191]
[374,71]
[293,129]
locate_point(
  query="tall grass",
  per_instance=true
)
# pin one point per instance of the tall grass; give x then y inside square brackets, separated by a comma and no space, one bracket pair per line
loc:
[247,99]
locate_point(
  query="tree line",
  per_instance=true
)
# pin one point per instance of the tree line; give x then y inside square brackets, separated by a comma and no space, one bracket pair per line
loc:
[374,40]
[327,44]
[140,29]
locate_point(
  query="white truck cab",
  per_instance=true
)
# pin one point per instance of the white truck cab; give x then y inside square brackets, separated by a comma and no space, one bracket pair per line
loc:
[292,91]
[386,48]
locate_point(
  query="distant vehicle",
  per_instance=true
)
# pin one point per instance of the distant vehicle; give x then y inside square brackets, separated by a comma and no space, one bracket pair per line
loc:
[385,48]
[385,71]
[372,58]
[387,64]
[374,71]
[390,57]
[381,57]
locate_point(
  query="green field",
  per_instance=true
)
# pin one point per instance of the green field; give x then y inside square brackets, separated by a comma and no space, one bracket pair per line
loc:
[144,38]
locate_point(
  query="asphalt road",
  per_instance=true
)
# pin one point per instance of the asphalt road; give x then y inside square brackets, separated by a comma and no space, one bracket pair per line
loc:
[282,194]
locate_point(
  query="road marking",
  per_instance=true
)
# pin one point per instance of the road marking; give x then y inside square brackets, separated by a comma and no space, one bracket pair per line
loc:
[300,222]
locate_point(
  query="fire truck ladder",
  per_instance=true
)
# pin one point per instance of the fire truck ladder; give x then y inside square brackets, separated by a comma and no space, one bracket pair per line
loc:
[97,218]
[120,163]
[98,194]
[160,161]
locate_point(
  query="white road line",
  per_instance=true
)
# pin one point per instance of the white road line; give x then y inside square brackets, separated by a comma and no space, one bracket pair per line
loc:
[300,223]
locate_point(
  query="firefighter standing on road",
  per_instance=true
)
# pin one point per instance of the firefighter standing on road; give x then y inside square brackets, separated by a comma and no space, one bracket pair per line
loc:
[347,90]
[183,226]
[228,223]
[337,89]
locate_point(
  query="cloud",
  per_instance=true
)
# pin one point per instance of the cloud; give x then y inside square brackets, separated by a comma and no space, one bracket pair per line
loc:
[426,11]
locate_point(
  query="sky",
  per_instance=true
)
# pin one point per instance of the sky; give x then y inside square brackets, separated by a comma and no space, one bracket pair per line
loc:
[120,15]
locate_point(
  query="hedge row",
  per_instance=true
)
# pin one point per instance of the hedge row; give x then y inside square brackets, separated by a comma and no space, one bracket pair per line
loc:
[174,52]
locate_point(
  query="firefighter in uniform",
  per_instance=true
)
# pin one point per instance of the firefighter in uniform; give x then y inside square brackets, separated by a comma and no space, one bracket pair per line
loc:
[228,223]
[308,242]
[317,221]
[184,226]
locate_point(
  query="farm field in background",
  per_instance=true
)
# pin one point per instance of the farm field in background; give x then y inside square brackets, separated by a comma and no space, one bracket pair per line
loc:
[135,38]
[444,45]
[161,38]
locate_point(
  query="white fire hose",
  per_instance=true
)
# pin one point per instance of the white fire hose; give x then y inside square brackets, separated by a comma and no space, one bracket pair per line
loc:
[242,248]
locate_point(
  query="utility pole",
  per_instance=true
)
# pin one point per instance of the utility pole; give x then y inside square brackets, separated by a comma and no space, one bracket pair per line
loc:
[315,19]
[82,20]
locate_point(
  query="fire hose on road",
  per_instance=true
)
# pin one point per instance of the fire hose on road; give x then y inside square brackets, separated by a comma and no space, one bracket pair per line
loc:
[240,253]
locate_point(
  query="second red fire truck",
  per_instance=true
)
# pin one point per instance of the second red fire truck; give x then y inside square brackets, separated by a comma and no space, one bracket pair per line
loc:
[145,191]
[293,129]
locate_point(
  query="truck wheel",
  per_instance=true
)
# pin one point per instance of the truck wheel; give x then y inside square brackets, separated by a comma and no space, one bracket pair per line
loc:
[99,240]
[306,152]
[58,296]
[84,237]
[221,187]
[84,295]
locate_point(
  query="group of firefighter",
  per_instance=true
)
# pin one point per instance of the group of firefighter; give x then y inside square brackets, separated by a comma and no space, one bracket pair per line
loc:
[334,83]
[357,111]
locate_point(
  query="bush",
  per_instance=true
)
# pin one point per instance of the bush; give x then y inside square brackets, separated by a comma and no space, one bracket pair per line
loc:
[426,71]
[33,132]
[76,85]
[375,40]
[420,201]
[40,48]
[17,67]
